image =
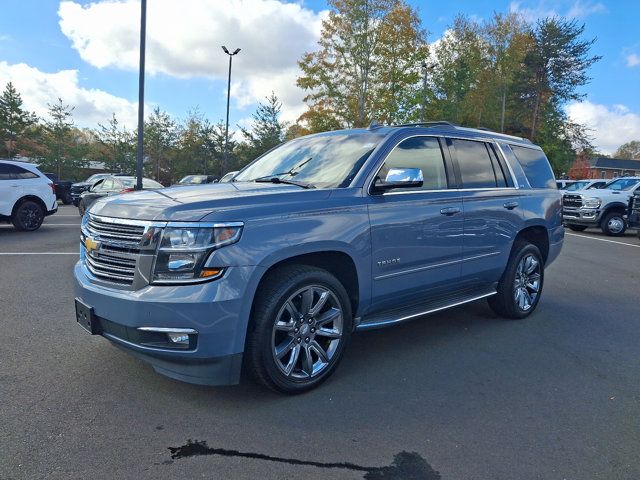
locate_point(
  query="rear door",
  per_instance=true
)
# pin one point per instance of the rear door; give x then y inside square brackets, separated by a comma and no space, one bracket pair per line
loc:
[492,211]
[416,234]
[10,188]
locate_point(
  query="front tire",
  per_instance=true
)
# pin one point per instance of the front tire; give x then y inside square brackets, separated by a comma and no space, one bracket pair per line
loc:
[613,224]
[301,323]
[521,284]
[28,216]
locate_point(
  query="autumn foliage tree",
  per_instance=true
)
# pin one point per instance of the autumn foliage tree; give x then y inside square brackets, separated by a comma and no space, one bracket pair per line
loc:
[580,168]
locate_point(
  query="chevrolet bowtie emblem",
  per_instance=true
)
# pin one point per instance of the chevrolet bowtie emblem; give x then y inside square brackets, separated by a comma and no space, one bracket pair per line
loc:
[90,244]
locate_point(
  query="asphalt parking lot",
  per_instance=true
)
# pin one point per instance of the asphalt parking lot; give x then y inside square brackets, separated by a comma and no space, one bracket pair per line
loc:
[456,395]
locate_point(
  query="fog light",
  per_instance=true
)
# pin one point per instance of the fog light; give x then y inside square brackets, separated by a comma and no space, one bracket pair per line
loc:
[178,338]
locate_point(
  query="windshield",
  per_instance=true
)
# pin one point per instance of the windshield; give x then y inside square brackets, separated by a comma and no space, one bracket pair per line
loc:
[194,179]
[97,176]
[622,184]
[576,186]
[324,161]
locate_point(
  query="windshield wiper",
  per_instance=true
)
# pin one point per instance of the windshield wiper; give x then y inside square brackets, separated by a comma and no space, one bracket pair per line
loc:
[273,179]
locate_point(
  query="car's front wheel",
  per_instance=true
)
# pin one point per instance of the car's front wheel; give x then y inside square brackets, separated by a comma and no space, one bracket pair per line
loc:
[519,289]
[301,323]
[28,216]
[614,224]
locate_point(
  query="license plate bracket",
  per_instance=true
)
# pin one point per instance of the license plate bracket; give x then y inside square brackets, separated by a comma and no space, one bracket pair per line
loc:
[86,317]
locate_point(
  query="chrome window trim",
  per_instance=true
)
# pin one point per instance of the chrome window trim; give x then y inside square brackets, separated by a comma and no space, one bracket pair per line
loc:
[478,139]
[438,265]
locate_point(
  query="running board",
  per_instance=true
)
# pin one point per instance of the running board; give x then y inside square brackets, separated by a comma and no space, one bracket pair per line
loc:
[399,315]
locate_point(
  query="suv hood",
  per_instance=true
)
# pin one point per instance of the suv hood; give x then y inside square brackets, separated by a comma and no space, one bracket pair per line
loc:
[601,192]
[192,203]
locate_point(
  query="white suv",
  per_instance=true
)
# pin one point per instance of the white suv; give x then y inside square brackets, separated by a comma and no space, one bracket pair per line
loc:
[26,195]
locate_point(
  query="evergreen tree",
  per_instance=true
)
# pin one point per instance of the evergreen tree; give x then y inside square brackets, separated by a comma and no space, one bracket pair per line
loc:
[14,121]
[160,138]
[116,147]
[61,151]
[266,129]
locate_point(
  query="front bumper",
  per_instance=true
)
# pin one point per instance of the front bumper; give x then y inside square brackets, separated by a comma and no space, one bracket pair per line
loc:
[218,311]
[582,216]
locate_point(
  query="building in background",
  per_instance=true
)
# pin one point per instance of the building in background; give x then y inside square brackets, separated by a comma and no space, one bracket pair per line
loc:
[603,167]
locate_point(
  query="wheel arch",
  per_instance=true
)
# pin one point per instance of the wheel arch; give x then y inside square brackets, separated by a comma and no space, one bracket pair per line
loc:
[25,198]
[537,235]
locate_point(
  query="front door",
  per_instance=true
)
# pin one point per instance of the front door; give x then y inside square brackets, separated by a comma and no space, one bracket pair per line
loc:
[10,187]
[416,234]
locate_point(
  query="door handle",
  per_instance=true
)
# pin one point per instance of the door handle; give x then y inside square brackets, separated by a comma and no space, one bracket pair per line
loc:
[510,205]
[449,211]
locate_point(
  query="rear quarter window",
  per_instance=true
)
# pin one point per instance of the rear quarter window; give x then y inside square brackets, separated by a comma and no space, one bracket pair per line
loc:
[536,167]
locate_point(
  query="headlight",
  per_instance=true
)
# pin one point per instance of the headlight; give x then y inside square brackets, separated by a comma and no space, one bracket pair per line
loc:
[184,250]
[592,202]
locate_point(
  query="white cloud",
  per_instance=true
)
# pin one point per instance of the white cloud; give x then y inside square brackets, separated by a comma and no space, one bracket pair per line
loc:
[38,88]
[545,8]
[184,39]
[633,60]
[611,126]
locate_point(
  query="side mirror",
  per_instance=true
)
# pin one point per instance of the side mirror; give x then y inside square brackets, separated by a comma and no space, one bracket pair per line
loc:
[399,178]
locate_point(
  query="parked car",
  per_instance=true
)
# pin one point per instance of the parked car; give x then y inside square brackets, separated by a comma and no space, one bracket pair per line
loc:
[198,179]
[585,185]
[563,184]
[26,195]
[63,188]
[112,185]
[79,187]
[227,177]
[604,208]
[322,236]
[633,214]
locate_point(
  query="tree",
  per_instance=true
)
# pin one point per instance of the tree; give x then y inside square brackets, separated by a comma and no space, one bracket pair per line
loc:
[116,147]
[581,168]
[630,150]
[160,137]
[266,130]
[556,67]
[369,57]
[14,121]
[61,150]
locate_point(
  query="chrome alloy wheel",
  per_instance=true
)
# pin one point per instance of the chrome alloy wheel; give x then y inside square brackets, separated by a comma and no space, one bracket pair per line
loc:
[527,282]
[307,332]
[615,225]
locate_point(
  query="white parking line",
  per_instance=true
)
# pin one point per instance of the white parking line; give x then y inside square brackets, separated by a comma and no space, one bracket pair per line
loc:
[604,240]
[39,253]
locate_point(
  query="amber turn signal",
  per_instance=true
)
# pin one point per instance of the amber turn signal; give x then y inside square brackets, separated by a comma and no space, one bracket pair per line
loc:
[210,272]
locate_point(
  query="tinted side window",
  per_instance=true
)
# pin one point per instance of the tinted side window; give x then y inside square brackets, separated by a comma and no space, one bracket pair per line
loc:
[476,168]
[419,152]
[14,172]
[5,174]
[536,167]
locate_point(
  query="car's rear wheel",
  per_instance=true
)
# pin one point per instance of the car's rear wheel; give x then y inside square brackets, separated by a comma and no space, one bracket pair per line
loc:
[577,228]
[520,287]
[613,224]
[301,323]
[28,216]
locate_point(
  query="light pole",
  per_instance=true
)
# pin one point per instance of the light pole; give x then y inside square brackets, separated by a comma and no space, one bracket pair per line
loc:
[425,71]
[140,151]
[226,130]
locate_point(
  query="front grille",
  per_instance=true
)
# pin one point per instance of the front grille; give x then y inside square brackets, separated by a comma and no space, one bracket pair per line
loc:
[119,233]
[635,204]
[109,267]
[572,201]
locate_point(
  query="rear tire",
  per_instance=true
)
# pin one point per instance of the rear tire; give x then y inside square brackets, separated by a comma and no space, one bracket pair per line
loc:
[301,322]
[520,287]
[28,216]
[613,224]
[577,228]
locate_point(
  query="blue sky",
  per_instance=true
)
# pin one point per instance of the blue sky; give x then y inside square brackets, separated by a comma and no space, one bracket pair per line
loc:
[86,53]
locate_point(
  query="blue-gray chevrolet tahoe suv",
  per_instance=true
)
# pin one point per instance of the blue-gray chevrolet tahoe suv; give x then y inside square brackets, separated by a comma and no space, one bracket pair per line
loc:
[322,236]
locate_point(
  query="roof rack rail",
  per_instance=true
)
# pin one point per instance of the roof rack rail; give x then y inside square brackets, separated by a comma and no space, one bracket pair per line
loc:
[437,123]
